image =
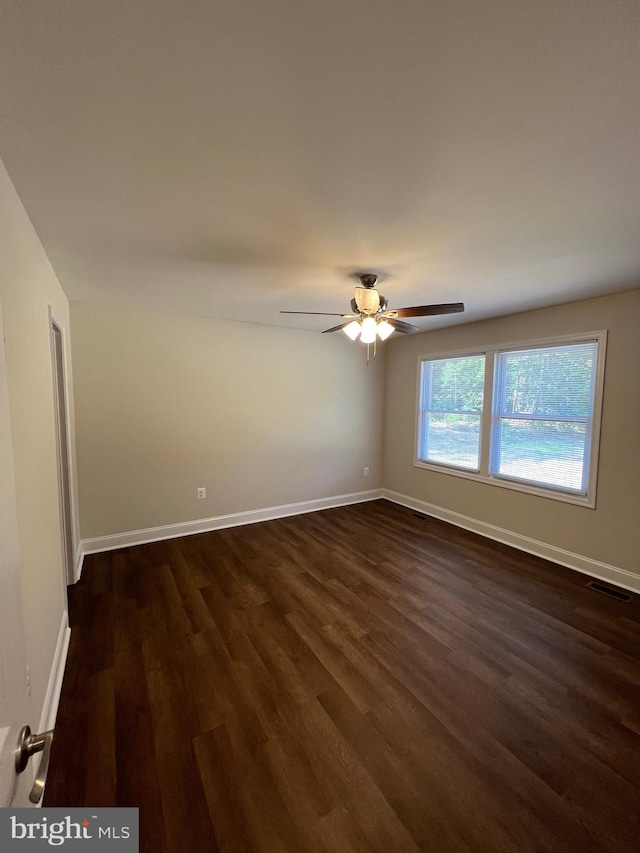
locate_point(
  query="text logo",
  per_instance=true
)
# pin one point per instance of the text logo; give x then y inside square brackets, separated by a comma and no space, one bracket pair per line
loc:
[112,829]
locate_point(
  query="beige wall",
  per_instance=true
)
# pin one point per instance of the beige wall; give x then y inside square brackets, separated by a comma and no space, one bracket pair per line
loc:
[260,416]
[28,289]
[611,532]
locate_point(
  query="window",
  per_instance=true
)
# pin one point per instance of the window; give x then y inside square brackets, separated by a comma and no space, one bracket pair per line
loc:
[524,417]
[451,408]
[543,414]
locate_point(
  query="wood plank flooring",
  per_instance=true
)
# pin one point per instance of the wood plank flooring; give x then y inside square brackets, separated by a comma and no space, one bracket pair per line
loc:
[357,679]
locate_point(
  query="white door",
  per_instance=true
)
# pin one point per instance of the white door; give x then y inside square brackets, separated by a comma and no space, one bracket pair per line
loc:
[13,698]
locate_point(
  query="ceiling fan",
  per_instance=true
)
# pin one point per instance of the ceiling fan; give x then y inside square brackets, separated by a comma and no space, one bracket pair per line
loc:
[372,319]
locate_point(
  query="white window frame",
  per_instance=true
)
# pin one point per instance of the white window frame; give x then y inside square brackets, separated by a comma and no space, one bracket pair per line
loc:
[487,420]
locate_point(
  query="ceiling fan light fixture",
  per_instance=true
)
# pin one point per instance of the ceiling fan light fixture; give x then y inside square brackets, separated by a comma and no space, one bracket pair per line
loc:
[369,330]
[352,330]
[384,330]
[371,320]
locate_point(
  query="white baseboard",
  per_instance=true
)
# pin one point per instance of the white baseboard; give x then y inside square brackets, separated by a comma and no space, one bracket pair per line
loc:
[204,525]
[52,696]
[577,562]
[79,560]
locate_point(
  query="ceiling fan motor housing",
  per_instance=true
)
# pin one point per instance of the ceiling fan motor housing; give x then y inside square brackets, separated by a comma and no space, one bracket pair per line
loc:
[368,279]
[367,300]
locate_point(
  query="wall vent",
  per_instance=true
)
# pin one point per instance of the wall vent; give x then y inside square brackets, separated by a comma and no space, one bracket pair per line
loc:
[613,591]
[421,516]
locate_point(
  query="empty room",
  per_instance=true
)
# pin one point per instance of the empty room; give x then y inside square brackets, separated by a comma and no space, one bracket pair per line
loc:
[319,416]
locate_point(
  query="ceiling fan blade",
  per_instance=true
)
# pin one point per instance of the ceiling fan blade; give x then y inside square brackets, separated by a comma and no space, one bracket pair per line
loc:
[429,310]
[403,328]
[337,328]
[317,313]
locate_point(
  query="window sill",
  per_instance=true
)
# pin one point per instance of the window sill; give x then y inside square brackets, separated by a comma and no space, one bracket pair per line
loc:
[587,501]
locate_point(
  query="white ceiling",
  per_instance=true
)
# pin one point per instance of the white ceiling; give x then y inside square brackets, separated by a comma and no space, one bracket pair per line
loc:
[230,159]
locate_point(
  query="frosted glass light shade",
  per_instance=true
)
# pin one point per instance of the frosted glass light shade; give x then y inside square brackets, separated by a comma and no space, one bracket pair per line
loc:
[369,330]
[352,330]
[384,330]
[367,300]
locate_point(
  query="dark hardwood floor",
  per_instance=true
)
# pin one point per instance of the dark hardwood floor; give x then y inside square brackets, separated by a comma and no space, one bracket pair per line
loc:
[357,679]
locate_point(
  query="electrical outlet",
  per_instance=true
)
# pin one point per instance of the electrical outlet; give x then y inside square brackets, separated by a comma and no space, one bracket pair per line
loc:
[366,471]
[202,493]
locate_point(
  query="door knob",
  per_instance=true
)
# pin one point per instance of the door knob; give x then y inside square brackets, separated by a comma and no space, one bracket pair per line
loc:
[28,745]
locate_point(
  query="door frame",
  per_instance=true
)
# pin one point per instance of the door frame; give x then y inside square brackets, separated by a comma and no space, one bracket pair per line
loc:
[63,444]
